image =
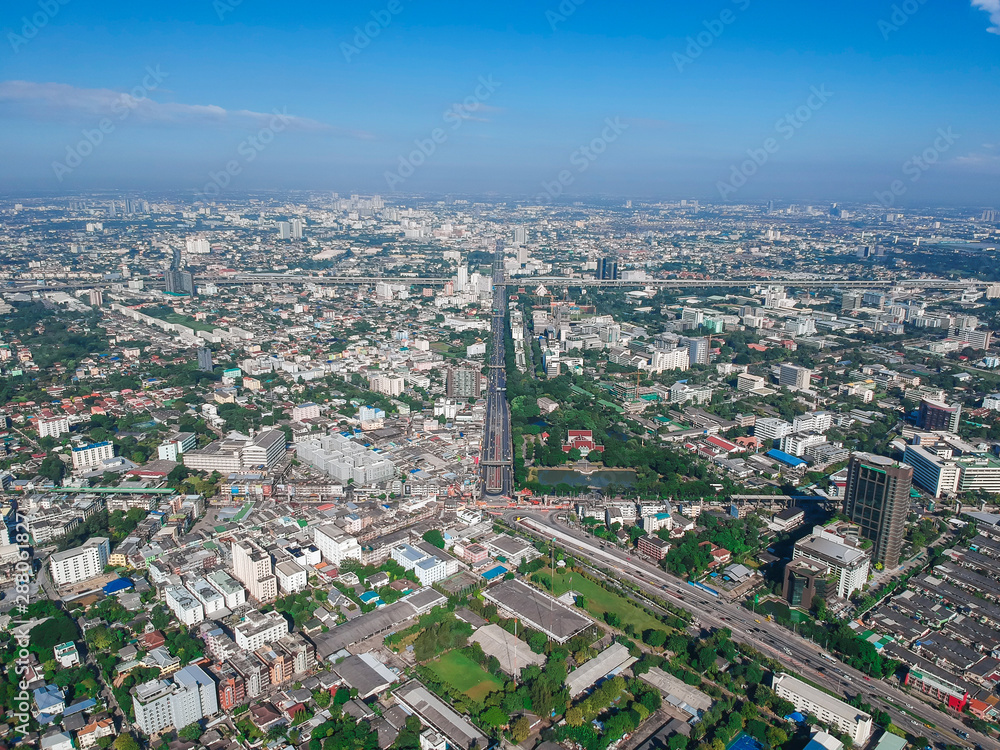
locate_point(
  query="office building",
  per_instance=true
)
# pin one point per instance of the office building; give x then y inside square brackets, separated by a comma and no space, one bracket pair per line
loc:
[91,456]
[463,382]
[159,704]
[238,452]
[831,711]
[950,466]
[847,562]
[204,359]
[52,426]
[793,376]
[771,428]
[252,567]
[805,579]
[607,269]
[80,563]
[935,416]
[877,499]
[427,567]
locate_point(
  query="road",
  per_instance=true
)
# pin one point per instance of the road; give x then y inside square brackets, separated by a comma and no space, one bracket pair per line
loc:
[496,461]
[798,655]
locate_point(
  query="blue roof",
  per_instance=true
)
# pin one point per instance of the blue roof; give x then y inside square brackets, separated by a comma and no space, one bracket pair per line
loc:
[119,584]
[785,458]
[84,705]
[494,572]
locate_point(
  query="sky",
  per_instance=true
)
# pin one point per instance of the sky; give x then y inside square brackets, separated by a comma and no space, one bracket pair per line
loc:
[719,100]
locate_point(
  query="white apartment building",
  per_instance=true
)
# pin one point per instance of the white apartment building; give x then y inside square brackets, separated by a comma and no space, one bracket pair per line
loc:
[670,359]
[159,704]
[813,421]
[233,594]
[52,426]
[771,428]
[390,385]
[308,410]
[335,545]
[80,563]
[992,402]
[797,443]
[184,605]
[292,578]
[211,600]
[252,567]
[259,629]
[427,568]
[90,456]
[831,711]
[345,460]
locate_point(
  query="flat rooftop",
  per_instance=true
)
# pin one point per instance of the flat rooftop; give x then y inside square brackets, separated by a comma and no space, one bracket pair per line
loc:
[510,651]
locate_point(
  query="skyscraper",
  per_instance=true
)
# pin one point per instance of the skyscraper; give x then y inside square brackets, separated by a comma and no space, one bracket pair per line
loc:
[698,351]
[463,382]
[607,269]
[877,498]
[178,281]
[520,235]
[297,225]
[284,230]
[204,359]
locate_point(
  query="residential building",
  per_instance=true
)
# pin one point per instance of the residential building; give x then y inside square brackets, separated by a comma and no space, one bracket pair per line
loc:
[807,699]
[698,351]
[771,428]
[428,568]
[877,498]
[258,629]
[935,416]
[345,460]
[184,605]
[233,594]
[205,359]
[52,426]
[80,563]
[664,360]
[463,382]
[292,578]
[159,704]
[252,566]
[653,547]
[335,545]
[745,382]
[305,411]
[91,456]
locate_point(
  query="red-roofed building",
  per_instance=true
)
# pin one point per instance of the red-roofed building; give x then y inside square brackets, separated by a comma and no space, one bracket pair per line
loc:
[724,444]
[582,440]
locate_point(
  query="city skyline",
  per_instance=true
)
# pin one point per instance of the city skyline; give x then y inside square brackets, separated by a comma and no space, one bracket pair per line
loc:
[729,101]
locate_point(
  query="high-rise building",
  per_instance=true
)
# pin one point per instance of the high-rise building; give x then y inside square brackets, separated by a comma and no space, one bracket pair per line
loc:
[520,235]
[284,230]
[96,297]
[297,225]
[253,568]
[934,416]
[877,498]
[463,382]
[178,281]
[80,563]
[204,359]
[698,351]
[607,269]
[189,698]
[793,376]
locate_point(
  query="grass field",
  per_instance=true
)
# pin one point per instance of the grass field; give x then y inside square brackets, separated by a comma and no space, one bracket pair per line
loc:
[599,600]
[184,320]
[463,674]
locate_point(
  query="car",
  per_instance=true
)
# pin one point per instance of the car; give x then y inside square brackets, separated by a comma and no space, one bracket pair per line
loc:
[963,735]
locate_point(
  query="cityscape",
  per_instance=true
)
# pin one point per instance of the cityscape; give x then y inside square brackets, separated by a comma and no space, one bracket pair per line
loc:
[475,447]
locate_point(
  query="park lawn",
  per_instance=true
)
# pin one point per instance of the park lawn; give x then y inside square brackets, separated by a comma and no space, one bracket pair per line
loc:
[463,674]
[599,600]
[184,320]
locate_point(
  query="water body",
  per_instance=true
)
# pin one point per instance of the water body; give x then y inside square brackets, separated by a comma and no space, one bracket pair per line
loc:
[599,479]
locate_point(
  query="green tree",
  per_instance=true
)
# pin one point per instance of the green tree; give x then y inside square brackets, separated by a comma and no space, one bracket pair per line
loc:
[126,741]
[191,732]
[435,537]
[521,729]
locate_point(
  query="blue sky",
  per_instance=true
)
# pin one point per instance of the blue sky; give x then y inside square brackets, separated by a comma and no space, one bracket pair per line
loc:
[693,87]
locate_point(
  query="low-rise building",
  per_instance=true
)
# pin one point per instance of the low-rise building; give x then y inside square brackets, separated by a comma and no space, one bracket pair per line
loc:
[855,723]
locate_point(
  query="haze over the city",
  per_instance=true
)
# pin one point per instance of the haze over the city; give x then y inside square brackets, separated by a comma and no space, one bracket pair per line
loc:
[650,100]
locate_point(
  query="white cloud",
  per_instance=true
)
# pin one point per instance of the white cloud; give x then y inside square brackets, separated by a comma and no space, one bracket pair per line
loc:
[993,8]
[60,101]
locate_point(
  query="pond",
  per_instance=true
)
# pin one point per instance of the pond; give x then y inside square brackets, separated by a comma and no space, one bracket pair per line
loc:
[599,479]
